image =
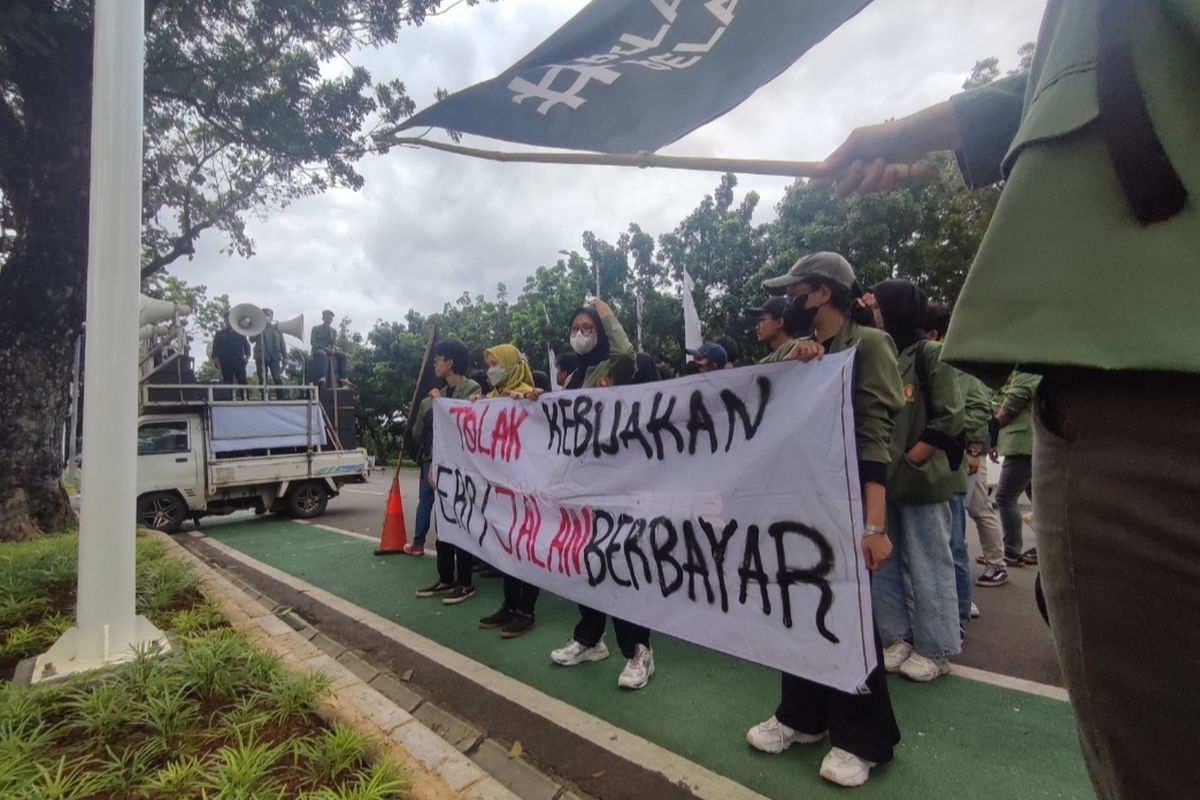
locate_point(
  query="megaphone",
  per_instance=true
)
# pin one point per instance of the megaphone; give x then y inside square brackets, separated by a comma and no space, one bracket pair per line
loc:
[247,319]
[151,331]
[293,327]
[152,310]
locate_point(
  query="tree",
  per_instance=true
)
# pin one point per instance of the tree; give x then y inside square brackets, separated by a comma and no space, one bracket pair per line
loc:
[240,118]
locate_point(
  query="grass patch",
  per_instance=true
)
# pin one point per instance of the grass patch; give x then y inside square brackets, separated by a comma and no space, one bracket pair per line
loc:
[218,719]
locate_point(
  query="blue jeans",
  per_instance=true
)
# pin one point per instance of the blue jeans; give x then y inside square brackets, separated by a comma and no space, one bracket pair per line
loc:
[913,592]
[424,507]
[958,549]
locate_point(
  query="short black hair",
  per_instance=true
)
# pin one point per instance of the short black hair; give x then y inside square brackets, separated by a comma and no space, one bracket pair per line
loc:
[568,362]
[937,317]
[455,352]
[732,351]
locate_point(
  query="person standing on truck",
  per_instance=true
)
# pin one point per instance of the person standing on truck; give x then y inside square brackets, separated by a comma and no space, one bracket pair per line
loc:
[269,349]
[450,363]
[231,351]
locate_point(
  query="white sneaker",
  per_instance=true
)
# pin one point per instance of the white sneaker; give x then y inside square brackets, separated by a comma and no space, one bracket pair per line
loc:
[974,611]
[845,768]
[638,669]
[923,670]
[772,736]
[575,653]
[896,654]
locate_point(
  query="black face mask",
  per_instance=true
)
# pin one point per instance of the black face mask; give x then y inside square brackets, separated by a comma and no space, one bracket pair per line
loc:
[796,318]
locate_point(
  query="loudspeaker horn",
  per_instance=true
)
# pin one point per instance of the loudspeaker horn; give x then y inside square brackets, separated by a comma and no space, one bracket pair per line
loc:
[152,310]
[293,327]
[247,319]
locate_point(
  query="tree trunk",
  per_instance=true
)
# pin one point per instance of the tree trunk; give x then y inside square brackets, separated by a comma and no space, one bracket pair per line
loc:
[43,285]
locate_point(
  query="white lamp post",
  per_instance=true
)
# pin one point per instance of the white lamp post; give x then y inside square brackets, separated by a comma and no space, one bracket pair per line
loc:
[107,630]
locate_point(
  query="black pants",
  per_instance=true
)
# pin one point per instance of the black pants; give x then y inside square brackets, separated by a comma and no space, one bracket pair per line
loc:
[1117,499]
[519,595]
[234,373]
[1016,476]
[862,724]
[590,629]
[454,564]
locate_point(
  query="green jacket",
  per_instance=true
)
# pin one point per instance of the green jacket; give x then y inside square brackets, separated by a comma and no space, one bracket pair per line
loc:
[273,337]
[977,411]
[619,367]
[1065,275]
[322,336]
[466,387]
[1016,398]
[932,481]
[877,390]
[778,353]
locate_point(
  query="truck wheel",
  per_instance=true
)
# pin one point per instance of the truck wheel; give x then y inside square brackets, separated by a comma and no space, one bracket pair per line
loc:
[162,511]
[307,500]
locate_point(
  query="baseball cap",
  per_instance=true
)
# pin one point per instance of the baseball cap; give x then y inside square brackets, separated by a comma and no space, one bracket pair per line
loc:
[825,265]
[713,352]
[775,306]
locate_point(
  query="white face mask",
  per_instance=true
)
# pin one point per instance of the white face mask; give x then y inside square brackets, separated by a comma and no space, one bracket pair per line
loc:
[496,376]
[582,343]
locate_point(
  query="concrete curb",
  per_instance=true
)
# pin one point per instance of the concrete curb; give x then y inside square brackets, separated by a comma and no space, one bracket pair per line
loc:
[436,768]
[664,775]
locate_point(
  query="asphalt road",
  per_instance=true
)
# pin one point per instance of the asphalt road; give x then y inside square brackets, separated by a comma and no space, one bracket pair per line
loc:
[1009,637]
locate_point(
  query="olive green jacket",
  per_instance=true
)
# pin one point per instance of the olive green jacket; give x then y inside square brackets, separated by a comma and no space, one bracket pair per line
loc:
[877,394]
[1065,275]
[1016,398]
[977,411]
[931,481]
[618,368]
[779,353]
[465,388]
[322,336]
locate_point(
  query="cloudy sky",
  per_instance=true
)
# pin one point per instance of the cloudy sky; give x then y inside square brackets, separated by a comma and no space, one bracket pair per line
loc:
[428,226]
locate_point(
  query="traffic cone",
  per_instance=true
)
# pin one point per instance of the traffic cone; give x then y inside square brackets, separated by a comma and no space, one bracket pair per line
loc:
[395,534]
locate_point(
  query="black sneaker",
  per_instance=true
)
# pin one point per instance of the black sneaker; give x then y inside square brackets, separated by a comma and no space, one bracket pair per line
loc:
[497,620]
[435,589]
[1030,556]
[459,594]
[993,576]
[1013,560]
[520,625]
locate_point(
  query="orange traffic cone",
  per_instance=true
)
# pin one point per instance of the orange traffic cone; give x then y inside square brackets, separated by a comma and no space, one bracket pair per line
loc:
[394,535]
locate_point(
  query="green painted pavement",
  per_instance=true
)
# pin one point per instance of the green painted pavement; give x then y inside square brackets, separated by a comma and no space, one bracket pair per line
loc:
[961,738]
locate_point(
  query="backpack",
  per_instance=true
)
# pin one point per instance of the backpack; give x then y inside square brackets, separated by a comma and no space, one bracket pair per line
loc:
[955,455]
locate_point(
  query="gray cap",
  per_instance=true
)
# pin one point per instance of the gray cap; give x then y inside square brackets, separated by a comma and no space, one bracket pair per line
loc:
[829,266]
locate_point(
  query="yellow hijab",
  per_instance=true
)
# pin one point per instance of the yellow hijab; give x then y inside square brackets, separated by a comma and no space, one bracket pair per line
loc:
[520,378]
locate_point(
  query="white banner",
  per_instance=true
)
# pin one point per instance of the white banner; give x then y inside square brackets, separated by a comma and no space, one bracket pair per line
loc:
[720,508]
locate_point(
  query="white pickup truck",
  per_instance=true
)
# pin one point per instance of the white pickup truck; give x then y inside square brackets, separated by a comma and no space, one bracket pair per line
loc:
[198,455]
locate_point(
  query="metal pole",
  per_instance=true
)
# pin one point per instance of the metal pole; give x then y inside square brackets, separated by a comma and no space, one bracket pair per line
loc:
[107,630]
[73,423]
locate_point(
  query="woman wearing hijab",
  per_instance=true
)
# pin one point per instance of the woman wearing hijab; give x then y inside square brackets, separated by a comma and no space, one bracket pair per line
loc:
[509,375]
[914,594]
[606,358]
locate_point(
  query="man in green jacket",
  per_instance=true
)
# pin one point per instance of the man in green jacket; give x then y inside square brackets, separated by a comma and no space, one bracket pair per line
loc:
[269,350]
[1014,417]
[1084,277]
[770,329]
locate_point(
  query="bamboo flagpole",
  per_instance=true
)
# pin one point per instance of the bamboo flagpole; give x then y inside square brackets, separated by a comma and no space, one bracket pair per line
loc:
[795,169]
[915,173]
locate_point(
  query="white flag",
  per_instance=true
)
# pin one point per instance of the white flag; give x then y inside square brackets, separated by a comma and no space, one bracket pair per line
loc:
[691,320]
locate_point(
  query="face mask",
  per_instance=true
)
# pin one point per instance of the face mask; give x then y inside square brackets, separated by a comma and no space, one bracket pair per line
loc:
[496,376]
[797,318]
[582,343]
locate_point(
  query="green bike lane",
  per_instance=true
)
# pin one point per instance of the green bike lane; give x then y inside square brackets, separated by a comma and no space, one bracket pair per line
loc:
[961,737]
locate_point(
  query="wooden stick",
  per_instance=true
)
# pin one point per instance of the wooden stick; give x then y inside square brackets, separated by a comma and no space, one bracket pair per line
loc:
[412,406]
[795,169]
